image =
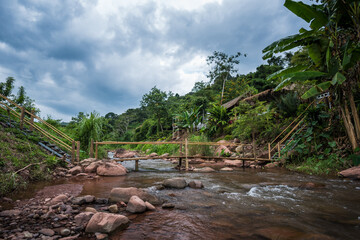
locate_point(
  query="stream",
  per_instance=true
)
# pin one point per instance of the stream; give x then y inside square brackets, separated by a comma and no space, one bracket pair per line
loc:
[244,204]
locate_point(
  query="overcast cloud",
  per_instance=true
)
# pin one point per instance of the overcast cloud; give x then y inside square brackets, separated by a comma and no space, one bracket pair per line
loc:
[78,55]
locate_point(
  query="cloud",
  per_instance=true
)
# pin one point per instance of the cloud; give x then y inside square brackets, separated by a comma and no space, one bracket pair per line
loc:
[104,55]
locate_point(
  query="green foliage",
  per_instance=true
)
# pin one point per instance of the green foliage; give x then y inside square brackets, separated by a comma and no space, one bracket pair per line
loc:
[7,87]
[218,119]
[203,150]
[189,119]
[146,130]
[252,119]
[288,104]
[159,149]
[90,128]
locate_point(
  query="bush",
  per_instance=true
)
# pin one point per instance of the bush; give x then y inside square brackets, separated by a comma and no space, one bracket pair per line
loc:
[204,150]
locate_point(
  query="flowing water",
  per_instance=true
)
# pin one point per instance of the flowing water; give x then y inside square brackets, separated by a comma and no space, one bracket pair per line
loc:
[244,204]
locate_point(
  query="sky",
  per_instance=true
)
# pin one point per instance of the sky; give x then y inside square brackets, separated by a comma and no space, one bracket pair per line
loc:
[83,55]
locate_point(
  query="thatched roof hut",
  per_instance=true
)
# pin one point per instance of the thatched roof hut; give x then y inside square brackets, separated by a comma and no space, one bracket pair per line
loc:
[262,96]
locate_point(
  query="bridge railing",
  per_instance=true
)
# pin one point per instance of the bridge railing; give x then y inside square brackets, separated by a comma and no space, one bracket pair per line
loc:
[183,152]
[54,135]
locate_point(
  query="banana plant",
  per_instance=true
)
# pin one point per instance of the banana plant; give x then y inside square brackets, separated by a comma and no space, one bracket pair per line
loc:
[189,119]
[333,44]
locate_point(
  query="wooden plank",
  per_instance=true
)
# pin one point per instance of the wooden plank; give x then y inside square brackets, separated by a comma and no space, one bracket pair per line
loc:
[160,143]
[91,155]
[186,155]
[73,153]
[136,165]
[22,117]
[202,157]
[78,152]
[32,120]
[269,150]
[96,151]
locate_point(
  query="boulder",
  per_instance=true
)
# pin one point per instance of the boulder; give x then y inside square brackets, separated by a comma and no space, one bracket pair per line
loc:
[233,163]
[89,198]
[204,170]
[124,194]
[58,199]
[113,208]
[222,150]
[226,169]
[240,149]
[149,206]
[91,168]
[136,205]
[272,165]
[196,184]
[175,183]
[83,218]
[106,222]
[65,232]
[153,155]
[10,213]
[90,209]
[47,232]
[353,173]
[75,170]
[111,169]
[101,236]
[165,155]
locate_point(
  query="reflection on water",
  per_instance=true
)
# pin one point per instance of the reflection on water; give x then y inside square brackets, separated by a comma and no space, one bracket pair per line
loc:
[245,204]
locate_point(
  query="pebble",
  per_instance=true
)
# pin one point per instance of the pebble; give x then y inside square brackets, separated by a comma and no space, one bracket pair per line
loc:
[168,205]
[65,232]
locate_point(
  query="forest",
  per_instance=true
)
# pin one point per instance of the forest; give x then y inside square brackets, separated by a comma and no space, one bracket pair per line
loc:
[319,63]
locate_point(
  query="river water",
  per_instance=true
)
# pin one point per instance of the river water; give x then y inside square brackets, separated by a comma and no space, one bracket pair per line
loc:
[244,204]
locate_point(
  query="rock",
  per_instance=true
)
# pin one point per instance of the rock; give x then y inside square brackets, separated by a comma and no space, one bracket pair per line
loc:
[47,232]
[28,234]
[204,170]
[10,213]
[101,236]
[101,200]
[71,237]
[58,199]
[272,165]
[5,199]
[226,169]
[149,206]
[89,198]
[239,149]
[311,185]
[90,209]
[196,161]
[153,155]
[353,173]
[113,208]
[136,205]
[82,219]
[82,175]
[280,233]
[92,167]
[165,155]
[124,194]
[233,163]
[196,184]
[106,222]
[168,205]
[111,169]
[236,140]
[222,150]
[175,183]
[78,200]
[65,232]
[75,170]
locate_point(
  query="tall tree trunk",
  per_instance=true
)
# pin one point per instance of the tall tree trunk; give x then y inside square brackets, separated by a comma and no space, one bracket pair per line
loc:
[355,114]
[348,126]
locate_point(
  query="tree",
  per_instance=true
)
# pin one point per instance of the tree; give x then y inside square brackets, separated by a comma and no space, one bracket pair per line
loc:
[333,47]
[7,87]
[222,66]
[189,120]
[155,103]
[90,127]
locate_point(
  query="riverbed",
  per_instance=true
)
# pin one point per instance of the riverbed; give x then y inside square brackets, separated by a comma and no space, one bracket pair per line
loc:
[243,204]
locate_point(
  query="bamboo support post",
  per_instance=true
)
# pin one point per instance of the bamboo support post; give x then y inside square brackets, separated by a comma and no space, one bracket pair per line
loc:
[186,155]
[73,152]
[278,146]
[269,150]
[22,117]
[254,149]
[136,165]
[180,154]
[78,152]
[32,120]
[96,151]
[91,154]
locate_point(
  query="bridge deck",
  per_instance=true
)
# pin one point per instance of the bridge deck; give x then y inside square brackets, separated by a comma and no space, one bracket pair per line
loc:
[201,157]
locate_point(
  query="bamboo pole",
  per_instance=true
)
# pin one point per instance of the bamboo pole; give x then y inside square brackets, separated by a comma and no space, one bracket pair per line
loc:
[91,155]
[269,151]
[73,153]
[180,153]
[96,151]
[203,157]
[136,165]
[278,146]
[22,117]
[78,152]
[186,155]
[160,143]
[32,120]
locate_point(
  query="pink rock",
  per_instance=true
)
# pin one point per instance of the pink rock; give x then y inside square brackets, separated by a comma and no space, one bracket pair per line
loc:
[353,173]
[111,169]
[149,206]
[75,170]
[106,222]
[92,167]
[153,155]
[272,165]
[204,170]
[226,169]
[222,149]
[233,163]
[58,199]
[83,218]
[124,195]
[136,205]
[196,184]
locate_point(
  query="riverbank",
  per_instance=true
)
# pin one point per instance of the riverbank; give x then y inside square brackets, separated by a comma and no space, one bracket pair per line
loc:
[243,203]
